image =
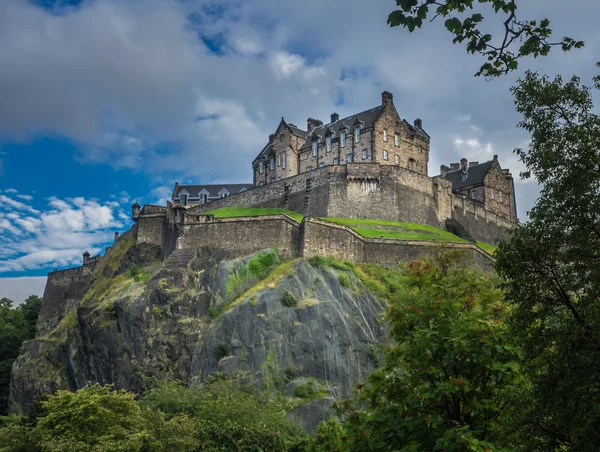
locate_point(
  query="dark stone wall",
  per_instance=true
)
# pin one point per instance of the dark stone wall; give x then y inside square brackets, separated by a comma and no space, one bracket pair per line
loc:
[64,290]
[152,229]
[481,224]
[242,236]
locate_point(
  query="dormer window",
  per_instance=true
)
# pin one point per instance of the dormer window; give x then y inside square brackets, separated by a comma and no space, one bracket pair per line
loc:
[384,135]
[396,139]
[329,143]
[203,198]
[315,148]
[357,134]
[223,193]
[343,139]
[183,199]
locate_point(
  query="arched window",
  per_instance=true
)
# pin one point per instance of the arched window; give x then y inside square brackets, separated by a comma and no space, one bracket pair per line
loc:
[412,164]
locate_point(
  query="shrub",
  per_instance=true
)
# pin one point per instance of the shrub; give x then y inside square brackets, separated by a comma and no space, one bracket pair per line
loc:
[305,391]
[289,299]
[344,280]
[158,312]
[290,373]
[222,350]
[212,312]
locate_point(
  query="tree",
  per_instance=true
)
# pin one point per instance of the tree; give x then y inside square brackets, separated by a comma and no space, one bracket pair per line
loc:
[551,265]
[450,375]
[16,325]
[103,419]
[229,415]
[533,37]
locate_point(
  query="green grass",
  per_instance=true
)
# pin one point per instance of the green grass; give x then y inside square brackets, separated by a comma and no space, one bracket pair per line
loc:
[490,249]
[232,212]
[411,231]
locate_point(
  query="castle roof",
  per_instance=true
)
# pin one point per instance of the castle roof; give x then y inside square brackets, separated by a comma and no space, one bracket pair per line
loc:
[365,119]
[213,190]
[475,175]
[296,131]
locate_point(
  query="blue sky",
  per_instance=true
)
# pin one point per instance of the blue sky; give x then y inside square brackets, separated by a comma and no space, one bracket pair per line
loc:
[105,102]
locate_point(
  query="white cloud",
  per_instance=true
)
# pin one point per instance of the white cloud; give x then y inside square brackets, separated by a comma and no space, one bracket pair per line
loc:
[25,197]
[57,236]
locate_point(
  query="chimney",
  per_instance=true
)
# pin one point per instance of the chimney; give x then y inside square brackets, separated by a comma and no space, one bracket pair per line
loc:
[454,166]
[387,98]
[464,164]
[419,123]
[116,235]
[443,170]
[311,123]
[334,117]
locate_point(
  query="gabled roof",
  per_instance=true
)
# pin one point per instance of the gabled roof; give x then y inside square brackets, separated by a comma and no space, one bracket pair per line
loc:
[296,131]
[416,130]
[367,118]
[213,190]
[475,175]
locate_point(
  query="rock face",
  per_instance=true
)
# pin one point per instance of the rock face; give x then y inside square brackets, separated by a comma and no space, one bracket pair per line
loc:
[301,328]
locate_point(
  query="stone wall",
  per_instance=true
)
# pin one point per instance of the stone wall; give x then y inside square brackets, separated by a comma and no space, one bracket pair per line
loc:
[327,239]
[152,224]
[242,236]
[482,224]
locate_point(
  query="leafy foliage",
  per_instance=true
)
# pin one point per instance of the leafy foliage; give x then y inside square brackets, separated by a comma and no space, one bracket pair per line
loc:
[289,299]
[550,265]
[451,374]
[16,325]
[530,37]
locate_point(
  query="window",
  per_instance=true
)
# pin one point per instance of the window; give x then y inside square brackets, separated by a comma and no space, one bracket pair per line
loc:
[279,159]
[336,161]
[343,139]
[272,163]
[284,159]
[395,139]
[384,135]
[357,134]
[321,165]
[493,193]
[396,159]
[183,199]
[500,196]
[310,168]
[329,143]
[473,194]
[350,158]
[365,154]
[262,167]
[412,164]
[385,155]
[203,198]
[315,148]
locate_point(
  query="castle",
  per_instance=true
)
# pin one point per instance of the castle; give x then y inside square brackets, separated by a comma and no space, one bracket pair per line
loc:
[370,165]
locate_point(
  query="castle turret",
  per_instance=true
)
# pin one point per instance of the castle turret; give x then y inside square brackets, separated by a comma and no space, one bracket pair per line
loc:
[135,211]
[86,258]
[116,235]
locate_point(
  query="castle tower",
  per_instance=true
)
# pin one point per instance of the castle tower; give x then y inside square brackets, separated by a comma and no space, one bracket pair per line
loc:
[86,257]
[135,211]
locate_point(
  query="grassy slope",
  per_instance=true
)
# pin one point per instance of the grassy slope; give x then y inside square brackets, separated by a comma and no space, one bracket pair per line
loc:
[365,227]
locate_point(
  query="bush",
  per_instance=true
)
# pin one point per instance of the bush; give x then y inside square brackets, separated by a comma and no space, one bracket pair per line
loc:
[305,391]
[344,280]
[290,373]
[289,299]
[222,350]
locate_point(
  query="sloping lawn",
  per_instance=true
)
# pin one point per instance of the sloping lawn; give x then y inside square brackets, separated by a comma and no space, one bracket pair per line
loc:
[410,231]
[232,212]
[490,249]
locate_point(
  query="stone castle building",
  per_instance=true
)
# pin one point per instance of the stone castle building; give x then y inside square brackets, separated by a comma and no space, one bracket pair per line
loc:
[372,164]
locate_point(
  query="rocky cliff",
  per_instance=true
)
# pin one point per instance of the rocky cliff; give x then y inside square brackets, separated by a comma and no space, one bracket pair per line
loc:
[304,328]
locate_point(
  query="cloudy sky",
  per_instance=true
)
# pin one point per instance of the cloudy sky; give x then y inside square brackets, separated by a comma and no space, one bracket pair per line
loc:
[103,102]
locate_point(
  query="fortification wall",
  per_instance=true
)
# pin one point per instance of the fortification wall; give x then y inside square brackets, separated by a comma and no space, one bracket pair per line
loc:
[64,289]
[152,228]
[326,239]
[482,224]
[242,236]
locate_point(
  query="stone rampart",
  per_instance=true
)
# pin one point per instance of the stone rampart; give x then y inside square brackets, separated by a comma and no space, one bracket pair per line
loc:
[482,224]
[152,224]
[242,236]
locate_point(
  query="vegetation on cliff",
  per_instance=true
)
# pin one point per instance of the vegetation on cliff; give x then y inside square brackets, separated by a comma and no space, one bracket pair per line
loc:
[16,325]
